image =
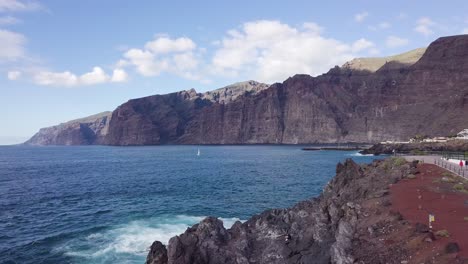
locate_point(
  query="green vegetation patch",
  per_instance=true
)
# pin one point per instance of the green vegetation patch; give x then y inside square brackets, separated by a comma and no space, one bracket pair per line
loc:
[447,174]
[442,233]
[448,179]
[398,161]
[417,152]
[393,162]
[460,187]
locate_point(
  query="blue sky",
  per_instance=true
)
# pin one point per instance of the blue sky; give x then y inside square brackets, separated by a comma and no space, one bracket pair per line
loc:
[61,60]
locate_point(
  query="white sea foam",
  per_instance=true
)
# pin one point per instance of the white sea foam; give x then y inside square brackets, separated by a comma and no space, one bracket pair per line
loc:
[131,241]
[357,154]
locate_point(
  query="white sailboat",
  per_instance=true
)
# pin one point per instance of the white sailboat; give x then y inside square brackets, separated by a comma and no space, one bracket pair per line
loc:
[198,153]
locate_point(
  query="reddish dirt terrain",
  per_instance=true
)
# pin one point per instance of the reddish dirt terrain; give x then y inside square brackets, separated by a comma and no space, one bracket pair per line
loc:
[436,191]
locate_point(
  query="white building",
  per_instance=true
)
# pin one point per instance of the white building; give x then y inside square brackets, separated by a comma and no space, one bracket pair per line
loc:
[463,134]
[435,139]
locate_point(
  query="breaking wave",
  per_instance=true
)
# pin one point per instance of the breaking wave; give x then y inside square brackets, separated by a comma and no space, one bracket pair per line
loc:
[129,243]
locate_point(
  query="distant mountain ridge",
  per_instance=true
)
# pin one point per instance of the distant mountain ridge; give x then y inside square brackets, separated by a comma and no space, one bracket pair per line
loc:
[365,100]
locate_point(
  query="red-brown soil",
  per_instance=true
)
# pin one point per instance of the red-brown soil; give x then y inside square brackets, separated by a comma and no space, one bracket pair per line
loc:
[432,191]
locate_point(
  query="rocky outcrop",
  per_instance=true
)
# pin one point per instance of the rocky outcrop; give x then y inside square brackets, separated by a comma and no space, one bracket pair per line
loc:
[84,131]
[418,147]
[231,92]
[348,104]
[321,230]
[373,64]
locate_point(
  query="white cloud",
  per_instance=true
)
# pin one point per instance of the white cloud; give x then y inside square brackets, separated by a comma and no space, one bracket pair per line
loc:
[145,62]
[68,79]
[402,16]
[164,45]
[9,20]
[424,26]
[119,75]
[313,27]
[12,45]
[17,6]
[380,26]
[185,61]
[179,56]
[56,78]
[394,42]
[272,51]
[14,75]
[464,31]
[361,16]
[361,44]
[96,76]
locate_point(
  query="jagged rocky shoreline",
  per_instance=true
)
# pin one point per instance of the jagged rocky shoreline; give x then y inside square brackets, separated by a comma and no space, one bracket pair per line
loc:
[345,224]
[417,147]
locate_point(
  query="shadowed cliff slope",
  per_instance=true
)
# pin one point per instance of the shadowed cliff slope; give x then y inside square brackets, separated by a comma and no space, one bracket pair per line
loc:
[84,131]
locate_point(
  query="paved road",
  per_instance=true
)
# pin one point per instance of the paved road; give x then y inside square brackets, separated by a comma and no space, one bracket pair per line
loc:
[424,159]
[439,161]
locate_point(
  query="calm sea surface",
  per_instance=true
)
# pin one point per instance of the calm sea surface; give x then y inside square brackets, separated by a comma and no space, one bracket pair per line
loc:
[100,204]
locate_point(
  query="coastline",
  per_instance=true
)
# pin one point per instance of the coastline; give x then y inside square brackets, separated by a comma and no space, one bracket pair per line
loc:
[418,148]
[356,218]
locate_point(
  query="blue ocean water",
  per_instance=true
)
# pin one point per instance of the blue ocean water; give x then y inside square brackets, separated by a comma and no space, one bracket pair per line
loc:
[98,204]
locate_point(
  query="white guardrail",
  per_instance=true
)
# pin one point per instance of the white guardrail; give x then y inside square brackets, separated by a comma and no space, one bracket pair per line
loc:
[452,167]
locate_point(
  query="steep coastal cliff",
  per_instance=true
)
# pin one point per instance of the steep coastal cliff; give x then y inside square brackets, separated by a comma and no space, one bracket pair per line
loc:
[353,103]
[90,130]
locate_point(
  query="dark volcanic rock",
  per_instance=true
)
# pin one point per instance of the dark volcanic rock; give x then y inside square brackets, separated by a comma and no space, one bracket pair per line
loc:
[321,230]
[157,254]
[452,145]
[452,247]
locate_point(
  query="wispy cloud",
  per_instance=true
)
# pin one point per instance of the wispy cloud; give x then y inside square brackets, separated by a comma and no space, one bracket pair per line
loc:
[12,46]
[9,20]
[13,75]
[19,6]
[360,17]
[424,26]
[68,79]
[395,42]
[380,26]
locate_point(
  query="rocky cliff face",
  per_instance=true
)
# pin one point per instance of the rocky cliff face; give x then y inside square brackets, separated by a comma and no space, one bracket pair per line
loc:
[396,102]
[85,131]
[327,229]
[348,104]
